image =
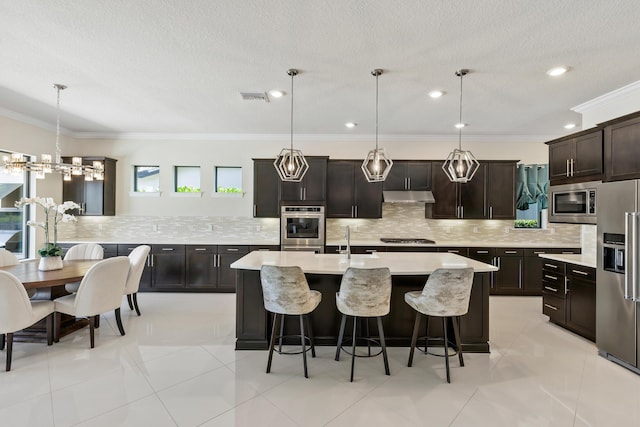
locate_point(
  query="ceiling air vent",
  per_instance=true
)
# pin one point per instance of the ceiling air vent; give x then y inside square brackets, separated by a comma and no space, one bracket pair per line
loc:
[254,96]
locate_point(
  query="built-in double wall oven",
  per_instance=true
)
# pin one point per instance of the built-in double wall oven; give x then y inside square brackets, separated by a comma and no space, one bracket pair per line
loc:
[302,228]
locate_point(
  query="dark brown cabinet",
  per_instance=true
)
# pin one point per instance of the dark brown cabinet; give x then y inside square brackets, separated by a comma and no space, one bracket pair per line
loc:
[94,197]
[349,194]
[569,296]
[576,158]
[489,195]
[621,142]
[409,175]
[313,186]
[167,267]
[508,279]
[208,267]
[266,189]
[532,270]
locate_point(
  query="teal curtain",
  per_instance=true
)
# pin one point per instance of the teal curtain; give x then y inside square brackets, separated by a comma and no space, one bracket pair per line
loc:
[531,186]
[543,186]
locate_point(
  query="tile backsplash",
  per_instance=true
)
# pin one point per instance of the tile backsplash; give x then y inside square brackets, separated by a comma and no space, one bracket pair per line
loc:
[397,221]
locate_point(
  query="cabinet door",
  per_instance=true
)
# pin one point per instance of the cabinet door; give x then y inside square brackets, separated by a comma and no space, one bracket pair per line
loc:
[507,280]
[559,154]
[588,156]
[397,178]
[313,186]
[168,267]
[266,188]
[340,188]
[227,275]
[419,175]
[74,191]
[621,160]
[532,271]
[581,307]
[501,190]
[445,193]
[367,196]
[473,197]
[99,196]
[201,267]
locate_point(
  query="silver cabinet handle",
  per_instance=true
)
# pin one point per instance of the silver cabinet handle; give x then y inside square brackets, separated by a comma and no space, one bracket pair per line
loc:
[482,252]
[219,261]
[549,288]
[153,257]
[200,249]
[510,252]
[148,260]
[539,252]
[551,266]
[461,211]
[548,276]
[453,251]
[356,211]
[550,306]
[566,286]
[567,168]
[409,183]
[520,273]
[167,249]
[213,261]
[255,210]
[232,249]
[580,272]
[572,162]
[490,212]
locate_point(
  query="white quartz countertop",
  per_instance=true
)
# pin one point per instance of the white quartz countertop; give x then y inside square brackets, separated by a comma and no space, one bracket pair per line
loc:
[400,263]
[459,243]
[578,259]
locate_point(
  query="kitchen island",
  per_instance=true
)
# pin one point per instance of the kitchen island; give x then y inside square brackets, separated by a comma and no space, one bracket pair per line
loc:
[409,272]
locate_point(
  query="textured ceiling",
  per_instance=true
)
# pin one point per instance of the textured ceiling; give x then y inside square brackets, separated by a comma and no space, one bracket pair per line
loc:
[160,66]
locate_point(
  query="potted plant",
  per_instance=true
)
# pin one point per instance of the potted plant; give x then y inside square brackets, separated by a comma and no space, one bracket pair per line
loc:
[51,253]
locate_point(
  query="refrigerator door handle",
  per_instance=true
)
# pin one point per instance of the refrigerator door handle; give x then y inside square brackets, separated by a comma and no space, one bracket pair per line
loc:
[631,255]
[634,255]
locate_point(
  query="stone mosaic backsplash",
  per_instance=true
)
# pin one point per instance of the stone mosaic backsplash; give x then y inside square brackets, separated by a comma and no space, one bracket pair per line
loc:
[398,220]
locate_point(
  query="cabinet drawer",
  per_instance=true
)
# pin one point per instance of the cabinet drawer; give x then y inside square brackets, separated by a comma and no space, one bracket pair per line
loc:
[264,248]
[504,252]
[170,249]
[583,273]
[481,252]
[553,279]
[555,288]
[202,249]
[554,308]
[553,266]
[537,251]
[455,250]
[567,251]
[233,249]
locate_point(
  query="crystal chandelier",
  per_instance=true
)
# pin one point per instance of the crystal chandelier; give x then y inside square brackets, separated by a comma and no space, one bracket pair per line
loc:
[291,164]
[376,165]
[17,163]
[460,165]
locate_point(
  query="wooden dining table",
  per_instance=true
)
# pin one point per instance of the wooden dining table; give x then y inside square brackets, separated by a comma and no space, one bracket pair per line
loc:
[49,285]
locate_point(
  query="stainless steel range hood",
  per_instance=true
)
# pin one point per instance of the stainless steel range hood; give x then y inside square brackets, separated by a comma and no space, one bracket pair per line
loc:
[408,197]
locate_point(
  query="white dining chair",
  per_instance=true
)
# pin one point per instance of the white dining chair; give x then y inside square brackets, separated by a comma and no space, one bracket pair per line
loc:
[7,258]
[137,260]
[99,292]
[82,251]
[17,312]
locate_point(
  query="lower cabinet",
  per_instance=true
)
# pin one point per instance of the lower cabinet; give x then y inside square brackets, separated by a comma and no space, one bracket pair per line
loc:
[208,267]
[168,267]
[508,279]
[569,296]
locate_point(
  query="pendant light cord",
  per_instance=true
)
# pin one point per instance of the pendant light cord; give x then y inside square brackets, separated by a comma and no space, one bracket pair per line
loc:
[460,121]
[58,158]
[292,73]
[377,75]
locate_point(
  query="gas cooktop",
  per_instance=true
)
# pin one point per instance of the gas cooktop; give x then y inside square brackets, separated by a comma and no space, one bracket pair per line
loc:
[406,240]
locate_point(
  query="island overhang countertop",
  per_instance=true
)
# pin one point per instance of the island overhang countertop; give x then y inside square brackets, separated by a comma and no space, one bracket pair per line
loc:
[400,263]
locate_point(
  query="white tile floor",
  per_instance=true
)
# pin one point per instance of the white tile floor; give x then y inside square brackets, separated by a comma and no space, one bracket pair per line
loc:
[177,366]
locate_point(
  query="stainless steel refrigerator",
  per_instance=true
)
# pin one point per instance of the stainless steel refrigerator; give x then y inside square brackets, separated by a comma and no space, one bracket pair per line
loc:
[618,280]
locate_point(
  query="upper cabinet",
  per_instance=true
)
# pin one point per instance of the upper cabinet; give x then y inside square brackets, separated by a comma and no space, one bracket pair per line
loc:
[622,148]
[94,197]
[489,195]
[349,194]
[576,158]
[266,189]
[409,175]
[313,186]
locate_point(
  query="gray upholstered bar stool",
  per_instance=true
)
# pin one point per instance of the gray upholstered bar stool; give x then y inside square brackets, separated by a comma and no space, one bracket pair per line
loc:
[286,292]
[446,294]
[364,293]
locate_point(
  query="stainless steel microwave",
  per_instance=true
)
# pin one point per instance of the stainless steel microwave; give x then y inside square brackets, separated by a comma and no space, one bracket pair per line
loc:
[574,203]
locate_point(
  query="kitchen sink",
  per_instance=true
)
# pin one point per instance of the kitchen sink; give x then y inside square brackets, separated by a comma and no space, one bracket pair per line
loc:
[406,240]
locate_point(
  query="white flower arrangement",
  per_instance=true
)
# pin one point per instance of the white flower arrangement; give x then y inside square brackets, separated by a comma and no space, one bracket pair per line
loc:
[53,214]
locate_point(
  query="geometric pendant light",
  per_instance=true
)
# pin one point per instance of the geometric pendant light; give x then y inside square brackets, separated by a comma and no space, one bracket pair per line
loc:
[291,164]
[376,166]
[460,165]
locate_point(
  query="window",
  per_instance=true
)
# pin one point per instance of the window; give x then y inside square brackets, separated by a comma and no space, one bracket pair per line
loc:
[13,221]
[228,179]
[146,179]
[186,179]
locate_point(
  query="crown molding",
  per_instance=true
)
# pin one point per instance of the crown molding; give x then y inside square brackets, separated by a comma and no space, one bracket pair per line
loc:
[19,117]
[607,97]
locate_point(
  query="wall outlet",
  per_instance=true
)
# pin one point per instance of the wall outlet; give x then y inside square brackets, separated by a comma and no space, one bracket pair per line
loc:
[476,229]
[209,227]
[154,227]
[258,227]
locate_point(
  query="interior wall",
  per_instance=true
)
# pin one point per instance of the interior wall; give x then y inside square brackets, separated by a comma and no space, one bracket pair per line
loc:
[208,154]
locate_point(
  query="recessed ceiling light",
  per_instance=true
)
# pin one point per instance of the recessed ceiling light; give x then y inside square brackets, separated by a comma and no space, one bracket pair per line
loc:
[436,93]
[276,93]
[569,125]
[557,71]
[460,125]
[351,125]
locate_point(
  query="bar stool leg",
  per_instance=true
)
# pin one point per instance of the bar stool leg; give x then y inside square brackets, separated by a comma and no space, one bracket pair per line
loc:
[414,337]
[353,348]
[281,334]
[384,346]
[341,336]
[426,334]
[310,332]
[446,347]
[304,344]
[366,322]
[272,342]
[455,321]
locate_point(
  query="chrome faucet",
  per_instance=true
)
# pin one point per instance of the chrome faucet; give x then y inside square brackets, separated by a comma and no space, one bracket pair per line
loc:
[347,236]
